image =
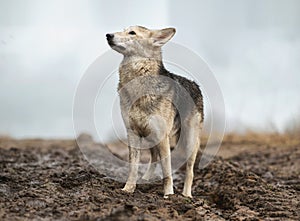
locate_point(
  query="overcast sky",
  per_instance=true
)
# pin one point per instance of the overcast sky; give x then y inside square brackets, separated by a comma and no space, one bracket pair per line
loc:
[253,48]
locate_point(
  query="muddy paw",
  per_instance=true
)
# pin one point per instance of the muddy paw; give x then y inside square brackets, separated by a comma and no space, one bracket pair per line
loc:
[166,196]
[187,195]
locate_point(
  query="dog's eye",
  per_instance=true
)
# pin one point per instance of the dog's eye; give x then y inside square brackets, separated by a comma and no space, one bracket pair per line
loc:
[132,33]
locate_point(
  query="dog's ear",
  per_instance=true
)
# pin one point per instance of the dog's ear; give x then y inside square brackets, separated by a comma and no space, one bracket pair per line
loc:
[160,37]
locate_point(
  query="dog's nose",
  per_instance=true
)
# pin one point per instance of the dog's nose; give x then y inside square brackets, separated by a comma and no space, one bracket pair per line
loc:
[109,36]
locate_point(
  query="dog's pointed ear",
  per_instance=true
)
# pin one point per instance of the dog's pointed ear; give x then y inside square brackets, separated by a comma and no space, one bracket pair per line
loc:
[160,37]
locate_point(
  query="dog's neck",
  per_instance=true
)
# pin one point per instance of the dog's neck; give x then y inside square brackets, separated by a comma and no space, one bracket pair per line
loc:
[136,66]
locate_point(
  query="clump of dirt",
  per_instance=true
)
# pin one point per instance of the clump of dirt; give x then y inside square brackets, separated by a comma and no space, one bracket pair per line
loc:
[44,179]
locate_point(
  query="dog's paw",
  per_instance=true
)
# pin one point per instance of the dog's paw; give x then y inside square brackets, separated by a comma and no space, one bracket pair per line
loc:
[147,177]
[129,188]
[166,196]
[168,192]
[187,194]
[150,179]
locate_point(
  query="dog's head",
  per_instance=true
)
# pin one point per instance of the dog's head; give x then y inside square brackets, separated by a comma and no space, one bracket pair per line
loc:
[139,41]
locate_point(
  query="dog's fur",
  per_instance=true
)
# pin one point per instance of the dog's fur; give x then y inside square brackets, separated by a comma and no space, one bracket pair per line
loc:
[154,117]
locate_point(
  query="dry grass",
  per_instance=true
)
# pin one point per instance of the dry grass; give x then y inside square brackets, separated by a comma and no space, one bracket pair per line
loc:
[272,139]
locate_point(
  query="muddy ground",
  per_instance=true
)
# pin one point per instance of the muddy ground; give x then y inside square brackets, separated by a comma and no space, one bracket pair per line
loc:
[254,177]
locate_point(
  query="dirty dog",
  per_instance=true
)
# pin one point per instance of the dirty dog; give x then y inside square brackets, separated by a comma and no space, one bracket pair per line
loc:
[151,116]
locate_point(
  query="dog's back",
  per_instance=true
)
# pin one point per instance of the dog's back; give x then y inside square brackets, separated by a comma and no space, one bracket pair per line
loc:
[191,87]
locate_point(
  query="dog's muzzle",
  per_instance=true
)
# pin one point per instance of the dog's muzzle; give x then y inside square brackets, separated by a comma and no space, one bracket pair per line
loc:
[110,38]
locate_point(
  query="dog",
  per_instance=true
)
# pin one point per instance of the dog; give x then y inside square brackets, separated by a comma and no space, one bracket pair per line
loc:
[153,119]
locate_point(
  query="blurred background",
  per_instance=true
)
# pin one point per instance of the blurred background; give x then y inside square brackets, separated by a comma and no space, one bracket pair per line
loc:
[253,48]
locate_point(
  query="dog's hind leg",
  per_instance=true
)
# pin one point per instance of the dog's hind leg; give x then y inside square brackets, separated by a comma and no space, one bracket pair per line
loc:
[134,160]
[152,164]
[192,141]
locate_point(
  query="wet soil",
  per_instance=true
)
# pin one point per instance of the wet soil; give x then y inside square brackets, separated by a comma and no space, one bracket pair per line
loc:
[252,178]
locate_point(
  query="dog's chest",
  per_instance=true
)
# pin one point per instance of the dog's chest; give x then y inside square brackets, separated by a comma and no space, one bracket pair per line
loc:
[138,114]
[144,94]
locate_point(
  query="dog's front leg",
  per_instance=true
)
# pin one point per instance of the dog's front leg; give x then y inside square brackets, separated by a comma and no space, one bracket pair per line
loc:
[165,157]
[134,159]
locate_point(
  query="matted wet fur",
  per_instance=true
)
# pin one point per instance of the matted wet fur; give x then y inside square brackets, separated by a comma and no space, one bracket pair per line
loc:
[156,119]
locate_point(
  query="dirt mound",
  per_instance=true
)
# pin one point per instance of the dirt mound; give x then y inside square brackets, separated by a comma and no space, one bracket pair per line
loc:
[51,180]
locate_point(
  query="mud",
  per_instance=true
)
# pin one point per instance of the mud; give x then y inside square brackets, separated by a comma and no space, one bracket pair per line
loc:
[253,178]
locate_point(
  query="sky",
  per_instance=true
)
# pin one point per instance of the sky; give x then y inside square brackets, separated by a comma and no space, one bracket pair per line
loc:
[252,47]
